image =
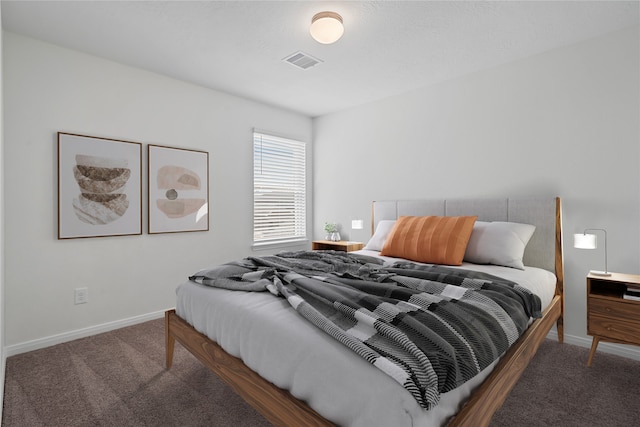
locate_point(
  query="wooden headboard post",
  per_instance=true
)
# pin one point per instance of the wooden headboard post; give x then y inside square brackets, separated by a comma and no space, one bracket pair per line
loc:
[559,269]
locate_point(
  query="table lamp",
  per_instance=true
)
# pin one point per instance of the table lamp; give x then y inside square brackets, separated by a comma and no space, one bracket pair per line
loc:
[590,241]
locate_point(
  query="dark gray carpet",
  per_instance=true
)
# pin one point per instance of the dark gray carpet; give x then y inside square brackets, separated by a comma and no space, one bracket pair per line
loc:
[118,379]
[558,389]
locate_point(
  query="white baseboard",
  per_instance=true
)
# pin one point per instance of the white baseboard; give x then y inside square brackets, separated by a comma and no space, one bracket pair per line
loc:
[39,343]
[628,351]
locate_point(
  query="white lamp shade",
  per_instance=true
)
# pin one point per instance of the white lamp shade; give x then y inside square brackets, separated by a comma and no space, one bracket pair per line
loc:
[326,27]
[585,241]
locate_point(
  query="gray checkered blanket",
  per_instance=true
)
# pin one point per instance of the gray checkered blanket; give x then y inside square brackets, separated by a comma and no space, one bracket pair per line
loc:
[430,327]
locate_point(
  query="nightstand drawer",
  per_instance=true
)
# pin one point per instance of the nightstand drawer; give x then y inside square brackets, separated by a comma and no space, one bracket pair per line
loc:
[621,310]
[613,329]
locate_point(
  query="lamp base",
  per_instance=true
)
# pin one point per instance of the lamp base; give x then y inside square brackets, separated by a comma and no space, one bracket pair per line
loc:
[600,273]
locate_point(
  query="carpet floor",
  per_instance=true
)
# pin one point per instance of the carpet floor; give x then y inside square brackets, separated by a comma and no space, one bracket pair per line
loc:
[118,379]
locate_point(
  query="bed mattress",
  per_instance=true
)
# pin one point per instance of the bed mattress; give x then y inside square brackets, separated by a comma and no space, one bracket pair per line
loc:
[282,347]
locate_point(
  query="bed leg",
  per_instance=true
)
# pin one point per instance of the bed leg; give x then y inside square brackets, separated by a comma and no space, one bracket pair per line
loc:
[560,329]
[169,339]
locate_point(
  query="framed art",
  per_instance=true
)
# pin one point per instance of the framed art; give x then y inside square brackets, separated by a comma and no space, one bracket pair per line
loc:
[99,187]
[178,189]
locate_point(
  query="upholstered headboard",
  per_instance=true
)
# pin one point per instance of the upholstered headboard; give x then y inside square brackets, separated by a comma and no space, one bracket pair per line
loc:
[545,247]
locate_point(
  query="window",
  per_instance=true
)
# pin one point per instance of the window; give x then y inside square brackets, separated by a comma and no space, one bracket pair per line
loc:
[279,189]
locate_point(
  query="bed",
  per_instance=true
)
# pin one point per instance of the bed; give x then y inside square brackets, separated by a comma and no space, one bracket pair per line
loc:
[302,401]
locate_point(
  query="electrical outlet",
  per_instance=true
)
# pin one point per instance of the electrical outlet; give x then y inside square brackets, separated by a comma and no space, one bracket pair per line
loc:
[82,295]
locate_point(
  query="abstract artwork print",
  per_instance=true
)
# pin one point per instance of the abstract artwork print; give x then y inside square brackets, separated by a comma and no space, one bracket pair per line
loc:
[178,190]
[101,181]
[99,187]
[176,180]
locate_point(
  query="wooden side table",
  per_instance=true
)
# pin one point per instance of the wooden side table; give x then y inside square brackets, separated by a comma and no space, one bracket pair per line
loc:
[342,245]
[611,317]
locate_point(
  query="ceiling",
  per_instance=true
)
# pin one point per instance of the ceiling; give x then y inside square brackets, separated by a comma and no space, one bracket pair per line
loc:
[389,47]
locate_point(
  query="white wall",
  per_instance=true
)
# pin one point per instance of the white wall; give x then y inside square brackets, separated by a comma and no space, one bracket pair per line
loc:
[50,89]
[563,123]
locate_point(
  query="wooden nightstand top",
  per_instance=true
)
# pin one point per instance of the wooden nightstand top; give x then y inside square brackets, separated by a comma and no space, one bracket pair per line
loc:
[342,245]
[617,277]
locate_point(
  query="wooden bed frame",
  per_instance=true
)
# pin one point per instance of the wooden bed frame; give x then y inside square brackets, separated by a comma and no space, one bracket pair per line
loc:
[282,409]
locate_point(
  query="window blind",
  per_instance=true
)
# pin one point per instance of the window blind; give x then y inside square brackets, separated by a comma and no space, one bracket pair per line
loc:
[279,189]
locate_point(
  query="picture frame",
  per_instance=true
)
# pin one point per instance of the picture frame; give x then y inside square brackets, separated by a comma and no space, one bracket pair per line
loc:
[99,187]
[178,189]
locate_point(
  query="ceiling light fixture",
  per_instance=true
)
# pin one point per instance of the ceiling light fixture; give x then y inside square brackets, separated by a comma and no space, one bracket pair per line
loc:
[326,27]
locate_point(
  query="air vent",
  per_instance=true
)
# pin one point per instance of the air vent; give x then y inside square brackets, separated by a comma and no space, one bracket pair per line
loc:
[302,60]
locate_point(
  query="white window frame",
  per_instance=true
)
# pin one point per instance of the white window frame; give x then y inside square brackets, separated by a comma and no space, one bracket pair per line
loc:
[279,190]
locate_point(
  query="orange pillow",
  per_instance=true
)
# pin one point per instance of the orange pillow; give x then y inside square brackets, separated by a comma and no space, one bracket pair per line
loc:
[430,239]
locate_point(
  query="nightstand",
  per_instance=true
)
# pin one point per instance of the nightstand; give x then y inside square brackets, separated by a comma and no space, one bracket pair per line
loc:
[342,245]
[611,317]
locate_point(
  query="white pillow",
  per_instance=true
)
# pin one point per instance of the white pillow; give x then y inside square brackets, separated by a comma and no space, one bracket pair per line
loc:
[498,243]
[380,236]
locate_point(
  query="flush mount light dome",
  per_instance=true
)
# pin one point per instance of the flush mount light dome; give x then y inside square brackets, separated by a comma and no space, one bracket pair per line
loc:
[326,27]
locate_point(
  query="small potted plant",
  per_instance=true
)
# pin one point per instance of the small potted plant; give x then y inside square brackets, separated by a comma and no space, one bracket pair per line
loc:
[332,231]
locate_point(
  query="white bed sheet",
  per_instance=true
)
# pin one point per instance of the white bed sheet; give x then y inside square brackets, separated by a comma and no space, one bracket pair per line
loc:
[260,328]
